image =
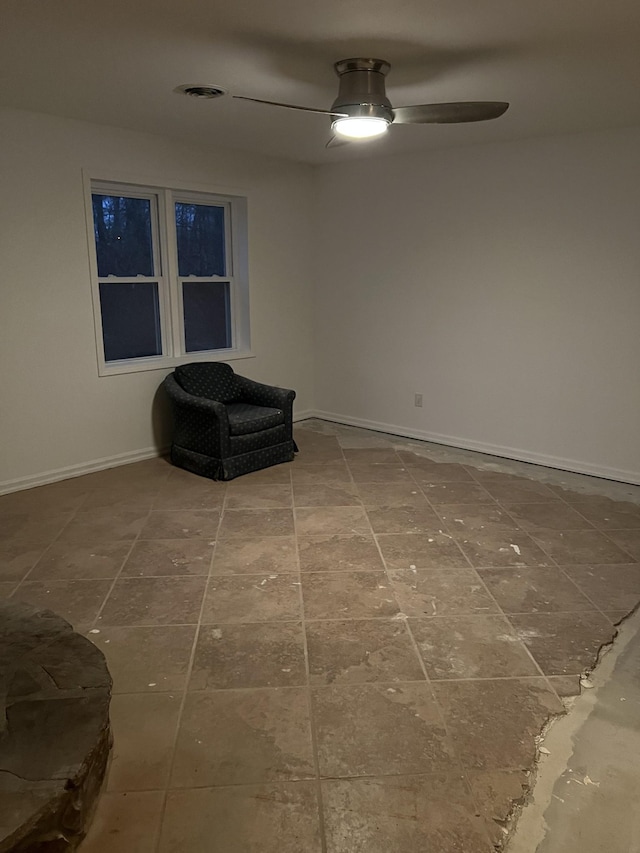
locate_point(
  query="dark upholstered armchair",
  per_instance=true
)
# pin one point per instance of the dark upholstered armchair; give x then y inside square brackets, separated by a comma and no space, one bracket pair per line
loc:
[226,425]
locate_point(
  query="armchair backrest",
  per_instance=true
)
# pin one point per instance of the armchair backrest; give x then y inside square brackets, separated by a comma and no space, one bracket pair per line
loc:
[211,379]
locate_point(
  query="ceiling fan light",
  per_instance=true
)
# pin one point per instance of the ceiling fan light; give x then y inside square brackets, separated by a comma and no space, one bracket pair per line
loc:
[360,127]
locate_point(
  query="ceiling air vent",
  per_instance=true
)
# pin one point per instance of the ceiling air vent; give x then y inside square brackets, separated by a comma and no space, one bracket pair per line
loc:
[201,90]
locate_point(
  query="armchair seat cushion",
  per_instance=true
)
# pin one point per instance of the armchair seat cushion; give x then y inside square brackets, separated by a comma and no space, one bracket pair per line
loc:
[244,418]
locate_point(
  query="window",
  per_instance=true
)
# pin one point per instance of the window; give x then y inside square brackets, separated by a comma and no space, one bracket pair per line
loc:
[170,276]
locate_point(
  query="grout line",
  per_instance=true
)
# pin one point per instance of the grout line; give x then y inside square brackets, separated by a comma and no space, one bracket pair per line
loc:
[427,681]
[313,729]
[185,690]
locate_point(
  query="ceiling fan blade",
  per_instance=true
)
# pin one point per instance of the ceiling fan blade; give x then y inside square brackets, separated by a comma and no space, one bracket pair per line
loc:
[291,106]
[449,113]
[337,141]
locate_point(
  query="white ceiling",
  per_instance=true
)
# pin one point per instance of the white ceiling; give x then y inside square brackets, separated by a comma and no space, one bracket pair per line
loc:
[564,65]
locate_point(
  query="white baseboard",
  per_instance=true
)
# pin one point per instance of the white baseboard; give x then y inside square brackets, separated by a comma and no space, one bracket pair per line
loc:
[574,465]
[57,474]
[303,415]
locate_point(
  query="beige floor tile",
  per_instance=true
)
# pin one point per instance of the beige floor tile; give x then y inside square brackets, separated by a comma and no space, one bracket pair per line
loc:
[195,493]
[148,659]
[604,513]
[257,655]
[391,494]
[493,723]
[534,590]
[323,520]
[252,598]
[564,643]
[628,541]
[440,592]
[338,553]
[421,551]
[246,523]
[440,472]
[403,814]
[323,494]
[403,519]
[281,817]
[579,546]
[233,737]
[319,454]
[125,822]
[549,515]
[507,487]
[17,558]
[246,496]
[616,616]
[348,595]
[495,792]
[325,473]
[453,493]
[368,455]
[104,525]
[6,588]
[144,730]
[609,587]
[493,547]
[154,601]
[371,729]
[253,555]
[181,524]
[376,472]
[65,496]
[169,557]
[471,647]
[77,601]
[32,527]
[133,497]
[462,518]
[66,560]
[360,651]
[565,685]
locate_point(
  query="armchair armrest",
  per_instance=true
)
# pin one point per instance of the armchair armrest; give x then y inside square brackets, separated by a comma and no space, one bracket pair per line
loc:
[180,397]
[266,395]
[197,416]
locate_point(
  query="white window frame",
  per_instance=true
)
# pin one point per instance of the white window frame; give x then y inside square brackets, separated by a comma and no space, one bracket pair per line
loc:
[165,254]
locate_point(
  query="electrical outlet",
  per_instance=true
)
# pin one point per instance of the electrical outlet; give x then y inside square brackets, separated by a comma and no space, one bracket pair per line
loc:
[418,401]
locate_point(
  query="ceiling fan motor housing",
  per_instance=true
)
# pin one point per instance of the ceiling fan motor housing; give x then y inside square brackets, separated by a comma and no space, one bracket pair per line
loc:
[361,91]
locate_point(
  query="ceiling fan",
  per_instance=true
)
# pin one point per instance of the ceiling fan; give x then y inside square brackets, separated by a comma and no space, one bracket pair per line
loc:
[362,109]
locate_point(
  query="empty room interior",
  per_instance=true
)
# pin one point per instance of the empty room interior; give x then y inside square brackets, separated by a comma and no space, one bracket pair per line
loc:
[365,645]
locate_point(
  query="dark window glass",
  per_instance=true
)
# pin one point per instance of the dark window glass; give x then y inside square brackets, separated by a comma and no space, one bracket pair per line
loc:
[200,231]
[122,227]
[207,315]
[130,320]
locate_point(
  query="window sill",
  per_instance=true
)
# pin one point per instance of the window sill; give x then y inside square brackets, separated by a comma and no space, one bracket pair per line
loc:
[166,363]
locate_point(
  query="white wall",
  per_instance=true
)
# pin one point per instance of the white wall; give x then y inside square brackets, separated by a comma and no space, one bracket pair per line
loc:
[55,411]
[503,283]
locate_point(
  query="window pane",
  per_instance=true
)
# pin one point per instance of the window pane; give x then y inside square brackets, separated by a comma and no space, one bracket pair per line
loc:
[122,228]
[201,239]
[207,315]
[130,320]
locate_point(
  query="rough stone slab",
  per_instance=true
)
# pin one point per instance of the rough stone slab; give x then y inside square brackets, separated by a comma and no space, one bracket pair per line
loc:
[55,690]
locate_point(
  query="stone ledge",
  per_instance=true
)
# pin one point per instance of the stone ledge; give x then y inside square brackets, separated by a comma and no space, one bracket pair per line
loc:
[55,737]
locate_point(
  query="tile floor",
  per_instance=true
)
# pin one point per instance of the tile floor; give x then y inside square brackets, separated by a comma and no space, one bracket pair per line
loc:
[351,652]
